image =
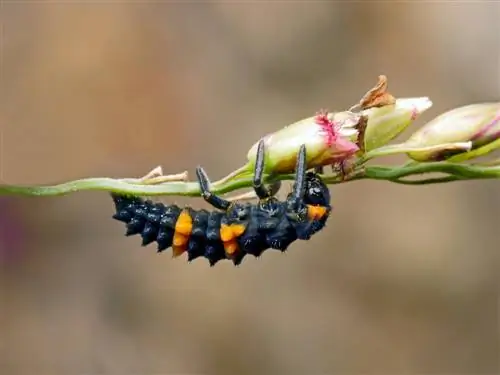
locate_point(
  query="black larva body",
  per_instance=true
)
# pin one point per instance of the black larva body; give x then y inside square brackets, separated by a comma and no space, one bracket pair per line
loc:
[267,224]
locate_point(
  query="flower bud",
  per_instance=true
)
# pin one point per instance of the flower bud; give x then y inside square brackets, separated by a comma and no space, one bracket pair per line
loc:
[478,124]
[328,137]
[387,122]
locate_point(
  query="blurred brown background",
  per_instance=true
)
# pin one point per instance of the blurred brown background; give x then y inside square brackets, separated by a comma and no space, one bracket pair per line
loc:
[405,280]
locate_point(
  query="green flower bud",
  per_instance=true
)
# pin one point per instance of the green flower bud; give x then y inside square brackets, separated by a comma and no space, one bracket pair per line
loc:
[387,122]
[328,137]
[478,124]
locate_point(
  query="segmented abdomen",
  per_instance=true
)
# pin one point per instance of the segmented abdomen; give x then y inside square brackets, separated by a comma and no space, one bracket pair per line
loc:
[185,230]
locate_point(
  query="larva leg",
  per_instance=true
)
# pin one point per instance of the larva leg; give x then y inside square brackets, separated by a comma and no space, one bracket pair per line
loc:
[299,186]
[260,190]
[213,199]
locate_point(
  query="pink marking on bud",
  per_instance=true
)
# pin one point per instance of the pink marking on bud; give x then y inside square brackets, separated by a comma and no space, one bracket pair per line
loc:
[329,126]
[344,148]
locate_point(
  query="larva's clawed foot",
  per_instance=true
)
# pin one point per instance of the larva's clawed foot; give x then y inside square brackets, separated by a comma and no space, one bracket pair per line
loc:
[207,195]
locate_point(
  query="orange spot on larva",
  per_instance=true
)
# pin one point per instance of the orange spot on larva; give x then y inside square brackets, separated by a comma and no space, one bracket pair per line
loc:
[183,229]
[184,223]
[229,235]
[226,234]
[315,212]
[238,229]
[230,232]
[231,247]
[179,240]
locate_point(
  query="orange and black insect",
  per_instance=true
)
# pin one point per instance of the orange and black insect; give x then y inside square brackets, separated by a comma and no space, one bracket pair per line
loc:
[235,229]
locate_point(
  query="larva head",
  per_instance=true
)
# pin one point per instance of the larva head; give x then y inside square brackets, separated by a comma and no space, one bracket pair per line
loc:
[313,211]
[316,192]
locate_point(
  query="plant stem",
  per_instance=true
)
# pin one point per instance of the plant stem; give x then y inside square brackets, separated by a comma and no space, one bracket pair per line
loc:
[463,171]
[237,181]
[428,181]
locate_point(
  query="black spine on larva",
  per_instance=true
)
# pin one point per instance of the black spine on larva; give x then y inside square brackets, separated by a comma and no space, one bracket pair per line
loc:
[167,226]
[253,241]
[153,221]
[197,240]
[214,249]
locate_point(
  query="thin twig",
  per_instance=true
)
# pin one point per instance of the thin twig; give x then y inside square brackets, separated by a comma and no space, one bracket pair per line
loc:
[394,174]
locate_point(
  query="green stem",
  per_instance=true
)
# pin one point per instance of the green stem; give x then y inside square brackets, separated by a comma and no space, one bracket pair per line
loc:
[464,171]
[241,180]
[428,181]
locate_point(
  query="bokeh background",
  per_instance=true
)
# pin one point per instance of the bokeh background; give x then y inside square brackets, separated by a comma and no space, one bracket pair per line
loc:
[404,280]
